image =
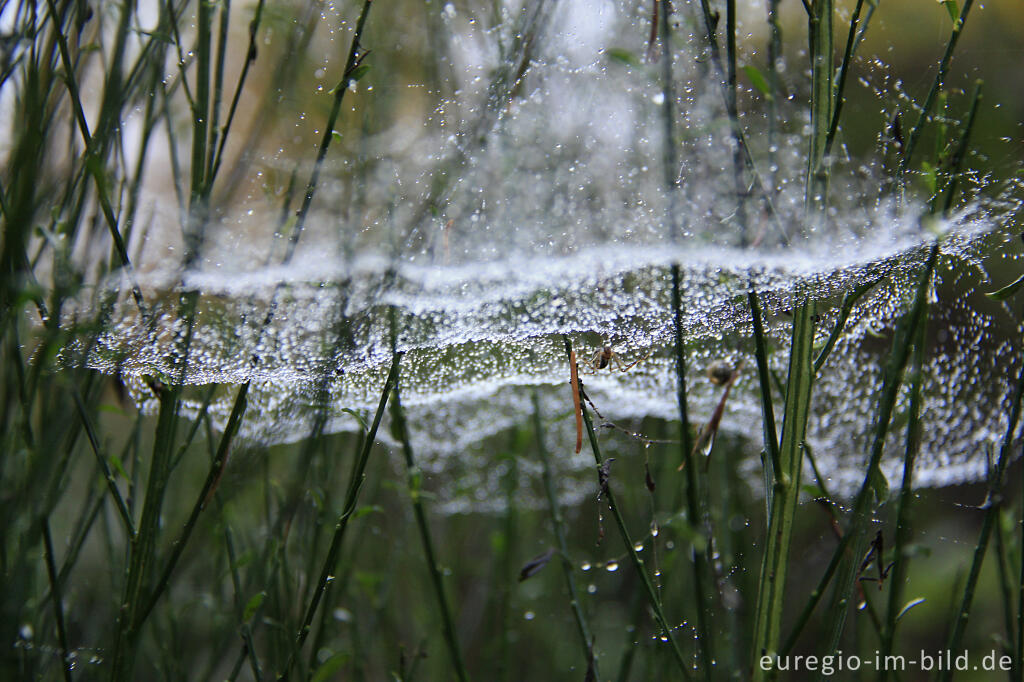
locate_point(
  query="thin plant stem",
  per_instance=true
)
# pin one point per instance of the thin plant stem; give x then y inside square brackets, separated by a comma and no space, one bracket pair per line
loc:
[245,628]
[558,526]
[348,509]
[58,602]
[874,482]
[201,108]
[671,154]
[961,151]
[852,41]
[771,437]
[695,507]
[898,572]
[822,103]
[991,506]
[143,546]
[414,480]
[355,57]
[250,59]
[933,93]
[849,300]
[741,150]
[1005,588]
[785,491]
[218,91]
[93,164]
[738,161]
[774,81]
[108,475]
[609,497]
[217,466]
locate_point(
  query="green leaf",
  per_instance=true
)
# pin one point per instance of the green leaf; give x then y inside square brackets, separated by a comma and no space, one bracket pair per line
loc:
[879,485]
[245,558]
[329,667]
[953,9]
[359,418]
[358,73]
[118,467]
[106,407]
[813,491]
[623,56]
[336,135]
[368,509]
[758,80]
[930,175]
[254,603]
[1007,291]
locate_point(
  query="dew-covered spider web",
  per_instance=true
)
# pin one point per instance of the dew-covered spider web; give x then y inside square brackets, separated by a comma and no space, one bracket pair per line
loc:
[529,203]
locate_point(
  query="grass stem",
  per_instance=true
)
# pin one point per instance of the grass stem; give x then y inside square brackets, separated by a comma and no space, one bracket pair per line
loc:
[609,497]
[558,526]
[874,485]
[695,507]
[58,602]
[785,493]
[415,481]
[347,510]
[898,572]
[933,93]
[991,507]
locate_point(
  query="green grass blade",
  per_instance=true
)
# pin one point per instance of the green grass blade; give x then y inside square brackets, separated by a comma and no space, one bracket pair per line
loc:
[413,479]
[641,570]
[696,510]
[217,466]
[348,508]
[58,602]
[898,572]
[558,526]
[771,596]
[991,507]
[871,487]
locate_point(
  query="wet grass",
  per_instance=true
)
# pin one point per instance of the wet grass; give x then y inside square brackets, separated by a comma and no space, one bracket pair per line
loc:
[156,546]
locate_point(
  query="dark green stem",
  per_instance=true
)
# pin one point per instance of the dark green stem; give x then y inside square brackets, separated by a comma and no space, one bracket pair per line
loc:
[558,526]
[108,475]
[771,435]
[348,508]
[217,466]
[898,572]
[609,497]
[785,493]
[354,57]
[991,507]
[874,482]
[58,602]
[414,479]
[961,151]
[933,93]
[702,581]
[822,99]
